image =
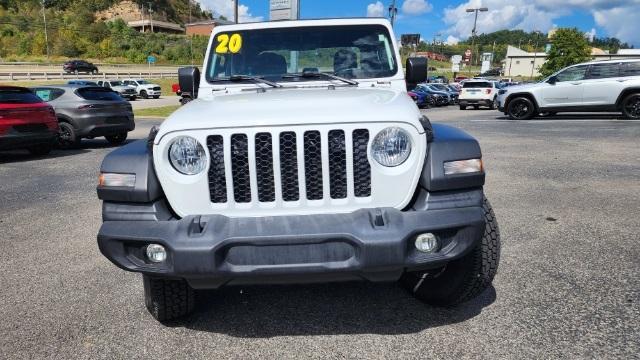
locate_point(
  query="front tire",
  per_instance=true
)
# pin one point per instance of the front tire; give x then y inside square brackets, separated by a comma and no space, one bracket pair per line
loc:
[631,106]
[521,108]
[494,104]
[464,278]
[144,95]
[463,107]
[116,139]
[168,299]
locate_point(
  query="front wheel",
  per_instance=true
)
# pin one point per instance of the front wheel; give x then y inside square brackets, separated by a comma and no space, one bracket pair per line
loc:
[494,104]
[463,107]
[156,97]
[143,94]
[631,106]
[168,299]
[464,278]
[116,139]
[521,108]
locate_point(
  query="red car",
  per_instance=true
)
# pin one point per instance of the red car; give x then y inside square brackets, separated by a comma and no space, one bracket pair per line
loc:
[26,122]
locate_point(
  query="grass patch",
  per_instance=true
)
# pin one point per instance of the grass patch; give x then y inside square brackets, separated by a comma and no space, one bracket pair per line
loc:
[161,112]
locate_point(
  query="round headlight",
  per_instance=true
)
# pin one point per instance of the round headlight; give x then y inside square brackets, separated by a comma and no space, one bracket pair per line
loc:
[391,147]
[187,155]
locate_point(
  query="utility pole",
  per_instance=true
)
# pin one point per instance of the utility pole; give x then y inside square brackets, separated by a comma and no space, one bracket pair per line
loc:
[235,11]
[473,32]
[535,49]
[142,14]
[46,37]
[393,12]
[151,17]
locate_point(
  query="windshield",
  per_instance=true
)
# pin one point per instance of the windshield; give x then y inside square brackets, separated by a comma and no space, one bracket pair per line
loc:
[115,83]
[350,51]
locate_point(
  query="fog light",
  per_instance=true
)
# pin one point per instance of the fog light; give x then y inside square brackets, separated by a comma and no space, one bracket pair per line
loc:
[156,253]
[427,243]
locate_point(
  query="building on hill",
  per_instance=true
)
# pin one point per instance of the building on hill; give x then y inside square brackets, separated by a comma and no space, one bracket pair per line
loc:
[526,64]
[205,27]
[140,18]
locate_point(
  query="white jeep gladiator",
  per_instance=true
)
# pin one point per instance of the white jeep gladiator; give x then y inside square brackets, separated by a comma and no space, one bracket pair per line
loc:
[301,159]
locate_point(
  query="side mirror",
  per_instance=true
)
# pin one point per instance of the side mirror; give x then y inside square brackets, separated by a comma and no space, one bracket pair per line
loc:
[416,71]
[189,80]
[553,80]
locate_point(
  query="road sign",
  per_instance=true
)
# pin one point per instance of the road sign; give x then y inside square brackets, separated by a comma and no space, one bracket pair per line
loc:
[456,59]
[151,59]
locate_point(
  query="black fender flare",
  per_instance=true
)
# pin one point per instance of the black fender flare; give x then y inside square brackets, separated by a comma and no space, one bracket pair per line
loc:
[450,144]
[624,93]
[134,158]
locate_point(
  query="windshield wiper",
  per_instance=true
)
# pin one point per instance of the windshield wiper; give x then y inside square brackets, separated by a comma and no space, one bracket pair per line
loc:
[314,74]
[238,78]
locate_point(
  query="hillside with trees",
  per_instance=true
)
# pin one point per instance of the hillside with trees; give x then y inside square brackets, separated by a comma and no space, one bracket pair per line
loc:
[74,32]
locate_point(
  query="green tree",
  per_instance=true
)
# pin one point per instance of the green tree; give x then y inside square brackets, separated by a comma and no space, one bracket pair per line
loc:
[568,47]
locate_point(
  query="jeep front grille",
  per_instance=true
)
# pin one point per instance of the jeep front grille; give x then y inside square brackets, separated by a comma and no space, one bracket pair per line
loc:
[277,163]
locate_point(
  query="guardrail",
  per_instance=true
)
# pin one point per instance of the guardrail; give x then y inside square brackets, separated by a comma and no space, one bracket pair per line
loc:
[10,76]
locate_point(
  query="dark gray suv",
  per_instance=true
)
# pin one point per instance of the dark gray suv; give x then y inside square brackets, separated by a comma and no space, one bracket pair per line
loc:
[88,112]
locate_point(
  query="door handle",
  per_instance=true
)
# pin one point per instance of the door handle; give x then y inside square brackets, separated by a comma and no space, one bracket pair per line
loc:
[576,83]
[622,80]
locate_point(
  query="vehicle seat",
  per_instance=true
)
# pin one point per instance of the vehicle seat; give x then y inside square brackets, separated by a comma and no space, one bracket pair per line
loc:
[345,62]
[269,63]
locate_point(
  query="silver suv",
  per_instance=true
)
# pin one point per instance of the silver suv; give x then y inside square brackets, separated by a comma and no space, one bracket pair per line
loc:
[612,85]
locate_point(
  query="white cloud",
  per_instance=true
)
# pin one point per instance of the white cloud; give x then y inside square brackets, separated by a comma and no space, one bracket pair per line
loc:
[375,9]
[617,17]
[591,34]
[452,40]
[416,7]
[620,22]
[225,8]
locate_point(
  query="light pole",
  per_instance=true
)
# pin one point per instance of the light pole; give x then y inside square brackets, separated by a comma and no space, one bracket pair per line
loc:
[393,11]
[473,32]
[46,37]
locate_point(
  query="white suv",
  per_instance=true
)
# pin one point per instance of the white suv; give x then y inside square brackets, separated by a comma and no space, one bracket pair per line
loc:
[144,88]
[479,92]
[612,85]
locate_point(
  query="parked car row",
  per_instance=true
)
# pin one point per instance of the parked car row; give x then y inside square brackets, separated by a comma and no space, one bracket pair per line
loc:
[434,94]
[39,118]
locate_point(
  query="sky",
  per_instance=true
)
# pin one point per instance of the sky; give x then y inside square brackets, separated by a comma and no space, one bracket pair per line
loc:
[448,20]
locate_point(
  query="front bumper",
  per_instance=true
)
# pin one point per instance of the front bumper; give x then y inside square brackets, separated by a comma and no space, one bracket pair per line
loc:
[372,244]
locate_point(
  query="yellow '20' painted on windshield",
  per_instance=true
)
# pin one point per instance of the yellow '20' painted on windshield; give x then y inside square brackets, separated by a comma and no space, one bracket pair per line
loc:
[229,44]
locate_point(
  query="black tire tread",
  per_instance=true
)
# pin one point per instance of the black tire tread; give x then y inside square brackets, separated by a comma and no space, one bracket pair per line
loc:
[168,299]
[624,103]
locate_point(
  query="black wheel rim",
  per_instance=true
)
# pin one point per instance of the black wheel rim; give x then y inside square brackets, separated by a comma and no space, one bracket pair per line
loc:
[519,109]
[65,136]
[632,107]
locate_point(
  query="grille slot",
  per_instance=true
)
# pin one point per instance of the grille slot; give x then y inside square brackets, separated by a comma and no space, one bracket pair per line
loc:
[361,166]
[264,167]
[217,180]
[337,165]
[313,164]
[289,166]
[240,168]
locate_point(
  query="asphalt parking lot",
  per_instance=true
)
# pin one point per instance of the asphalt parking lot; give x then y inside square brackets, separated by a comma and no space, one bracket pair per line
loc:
[566,192]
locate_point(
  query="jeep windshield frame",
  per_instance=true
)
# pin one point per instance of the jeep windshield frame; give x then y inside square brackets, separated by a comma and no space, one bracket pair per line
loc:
[354,52]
